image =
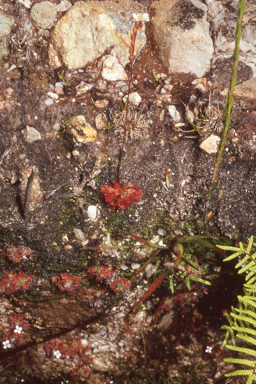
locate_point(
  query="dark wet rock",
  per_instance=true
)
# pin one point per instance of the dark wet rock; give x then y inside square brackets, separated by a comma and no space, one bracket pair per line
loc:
[222,69]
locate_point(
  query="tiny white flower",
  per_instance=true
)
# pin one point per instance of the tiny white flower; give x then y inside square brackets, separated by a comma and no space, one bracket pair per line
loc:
[141,16]
[208,349]
[6,344]
[57,354]
[17,329]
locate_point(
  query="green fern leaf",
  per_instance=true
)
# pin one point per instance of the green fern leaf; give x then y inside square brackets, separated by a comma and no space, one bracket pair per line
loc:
[248,339]
[248,249]
[233,256]
[241,372]
[252,273]
[250,288]
[247,312]
[250,363]
[248,351]
[250,379]
[199,280]
[245,319]
[227,315]
[248,266]
[246,300]
[230,331]
[244,330]
[227,248]
[243,261]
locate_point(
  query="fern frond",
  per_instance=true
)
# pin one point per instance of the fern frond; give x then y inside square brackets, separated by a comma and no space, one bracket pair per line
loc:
[248,266]
[246,372]
[244,330]
[252,273]
[244,318]
[233,256]
[228,248]
[248,339]
[247,312]
[248,351]
[230,331]
[250,363]
[243,261]
[250,288]
[247,300]
[199,280]
[248,249]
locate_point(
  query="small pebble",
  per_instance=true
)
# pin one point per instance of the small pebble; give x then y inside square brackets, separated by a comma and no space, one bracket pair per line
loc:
[135,266]
[79,234]
[92,212]
[53,95]
[49,101]
[134,98]
[31,134]
[101,103]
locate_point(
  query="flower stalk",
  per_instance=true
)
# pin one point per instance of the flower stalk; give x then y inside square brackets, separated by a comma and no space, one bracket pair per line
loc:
[230,101]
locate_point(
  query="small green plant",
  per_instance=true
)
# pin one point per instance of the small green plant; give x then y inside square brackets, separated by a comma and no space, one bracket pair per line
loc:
[62,78]
[242,320]
[182,267]
[155,76]
[65,124]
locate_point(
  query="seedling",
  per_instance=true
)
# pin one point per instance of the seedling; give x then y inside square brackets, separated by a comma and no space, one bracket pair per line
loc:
[65,124]
[155,76]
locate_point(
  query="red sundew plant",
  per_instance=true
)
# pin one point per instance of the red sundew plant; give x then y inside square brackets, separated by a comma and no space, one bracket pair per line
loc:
[132,356]
[115,194]
[70,348]
[66,282]
[91,294]
[15,334]
[127,335]
[12,337]
[19,320]
[179,299]
[102,272]
[14,282]
[17,254]
[121,285]
[81,370]
[119,196]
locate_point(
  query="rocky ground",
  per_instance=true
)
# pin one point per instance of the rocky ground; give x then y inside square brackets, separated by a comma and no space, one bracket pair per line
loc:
[64,73]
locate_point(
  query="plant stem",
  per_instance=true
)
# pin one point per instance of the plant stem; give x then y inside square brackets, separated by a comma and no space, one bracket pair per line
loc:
[229,109]
[230,101]
[131,57]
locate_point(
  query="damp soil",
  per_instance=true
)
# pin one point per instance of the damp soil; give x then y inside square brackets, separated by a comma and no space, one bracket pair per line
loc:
[69,177]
